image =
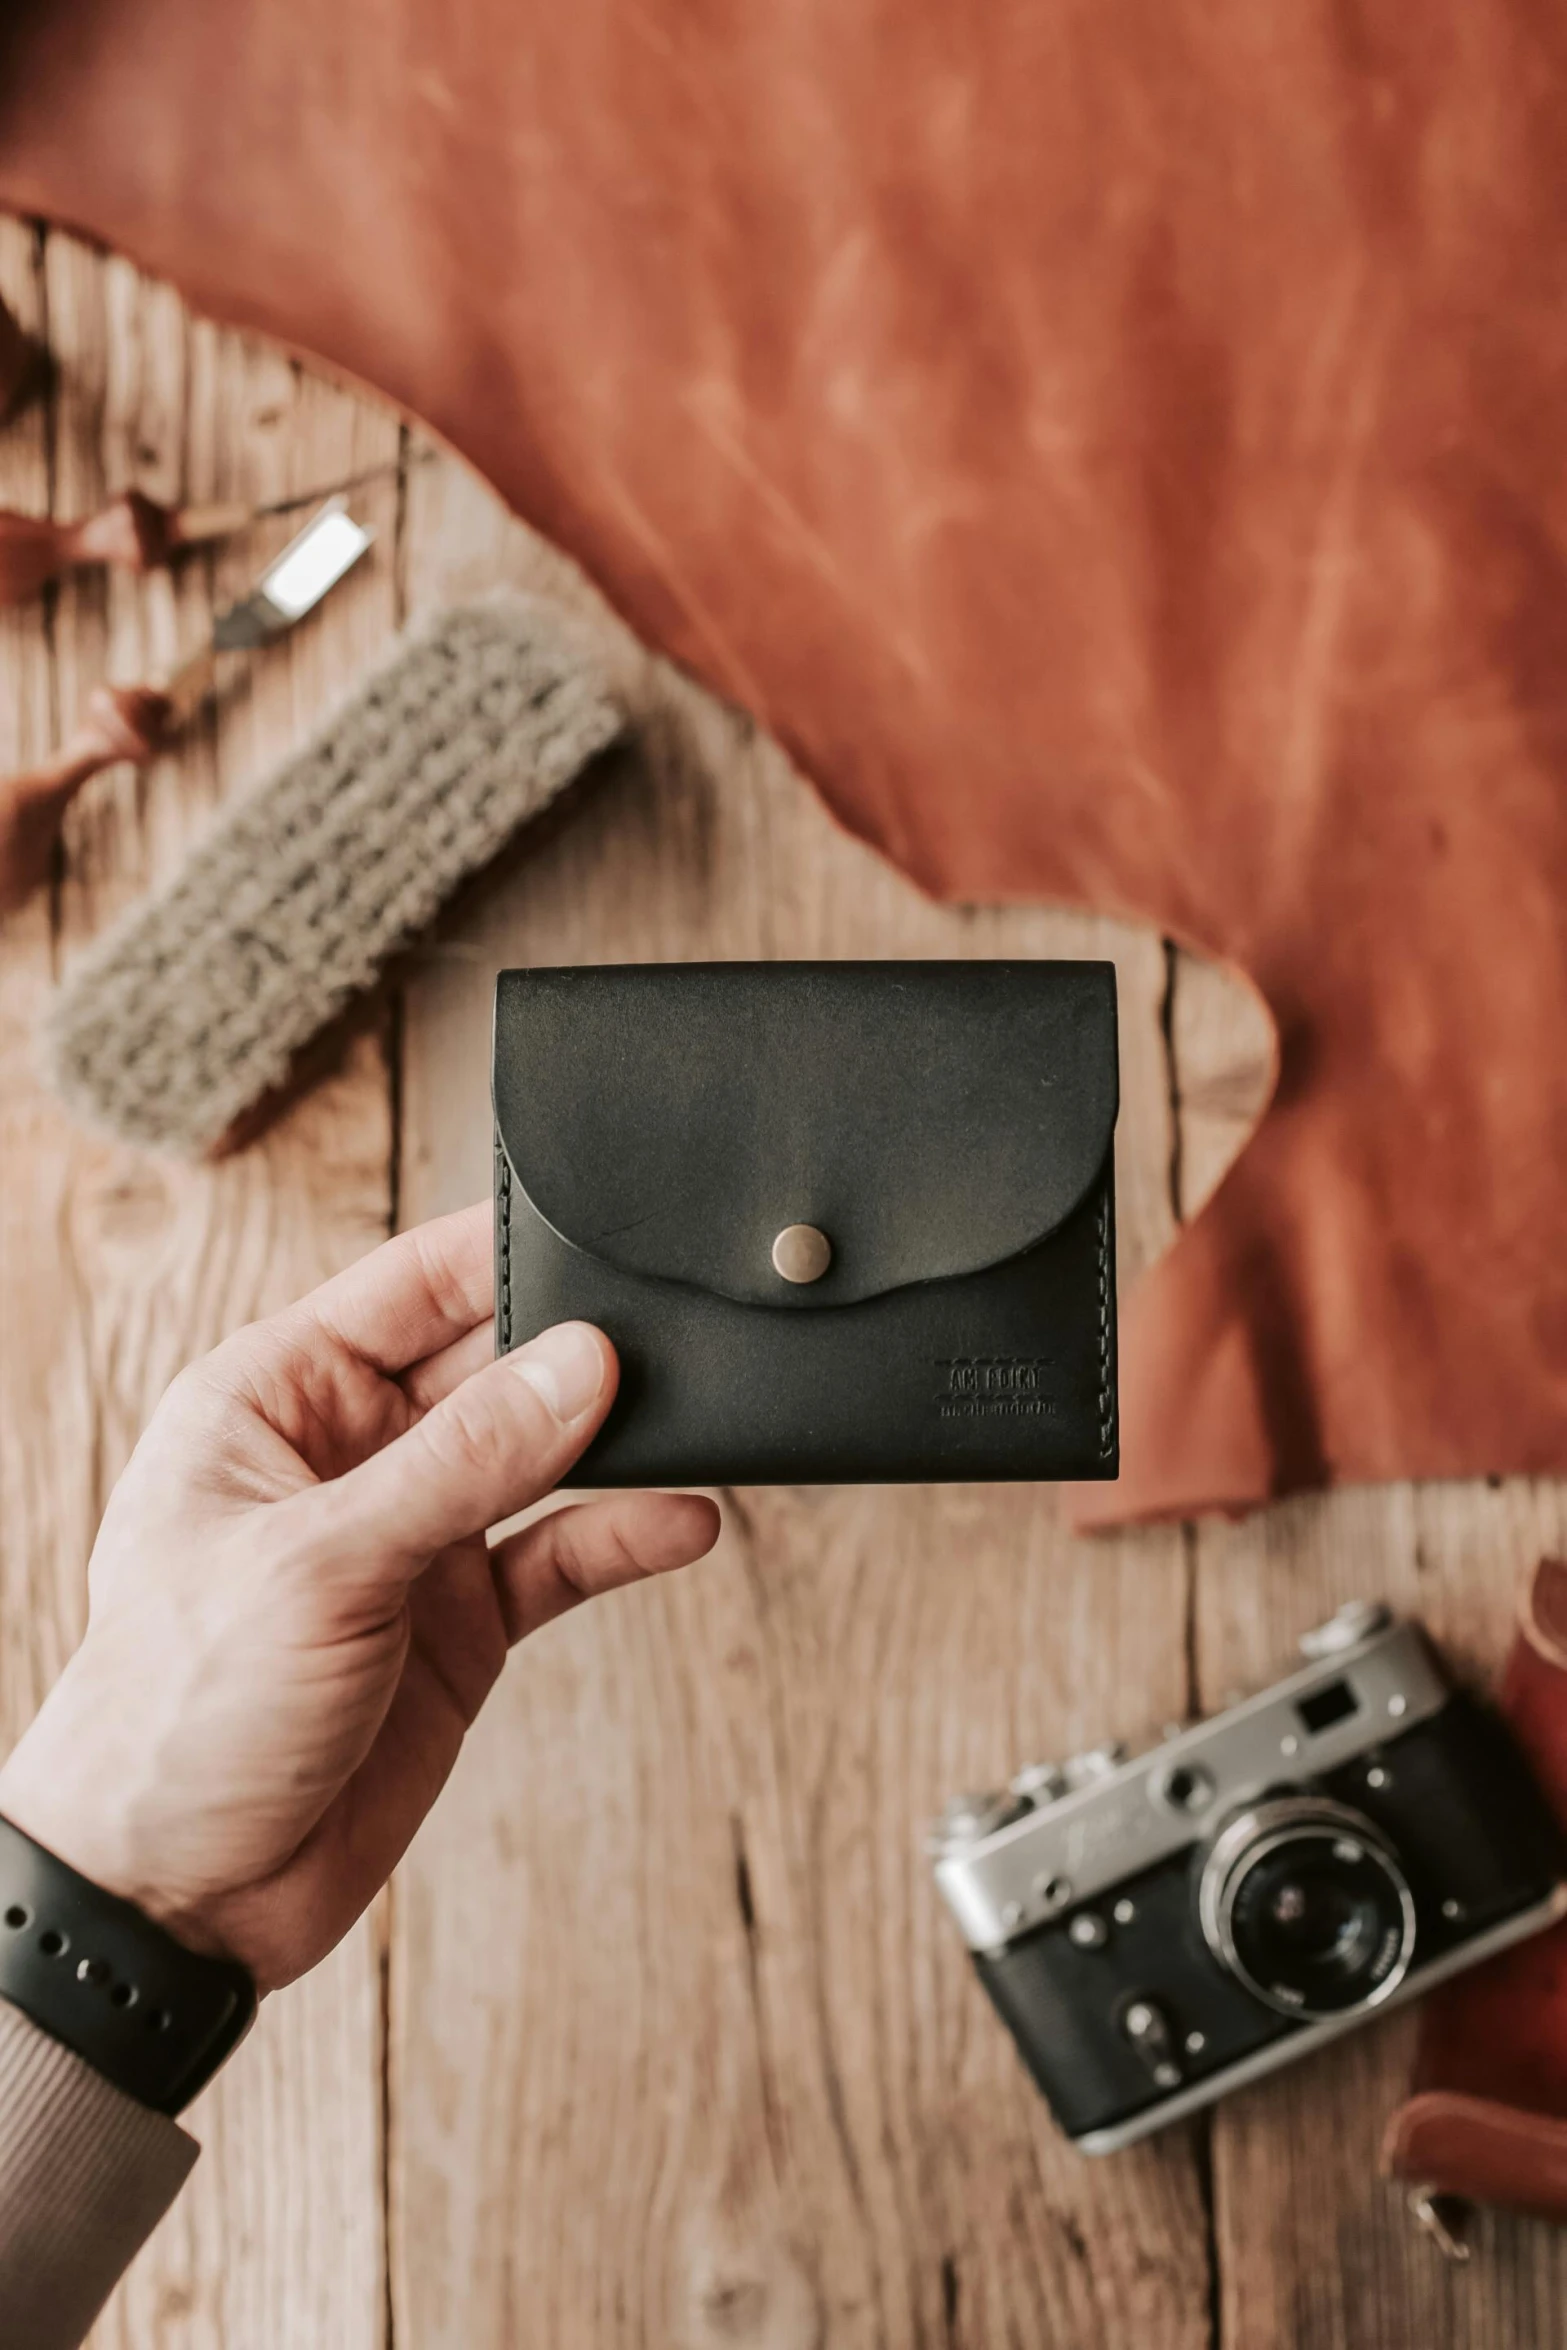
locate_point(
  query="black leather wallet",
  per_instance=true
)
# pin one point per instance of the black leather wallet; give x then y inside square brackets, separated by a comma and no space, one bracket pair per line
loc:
[844,1222]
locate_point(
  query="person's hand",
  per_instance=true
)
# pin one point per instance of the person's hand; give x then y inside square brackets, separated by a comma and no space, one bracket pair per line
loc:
[293,1612]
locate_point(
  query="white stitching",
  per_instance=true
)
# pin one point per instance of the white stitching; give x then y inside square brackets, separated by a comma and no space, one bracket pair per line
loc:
[503,1334]
[1106,1410]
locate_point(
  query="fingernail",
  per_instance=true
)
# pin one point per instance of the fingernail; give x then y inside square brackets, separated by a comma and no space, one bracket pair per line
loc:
[566,1365]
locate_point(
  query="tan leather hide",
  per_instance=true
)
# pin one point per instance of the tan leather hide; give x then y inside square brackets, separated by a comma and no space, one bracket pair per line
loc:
[1117,447]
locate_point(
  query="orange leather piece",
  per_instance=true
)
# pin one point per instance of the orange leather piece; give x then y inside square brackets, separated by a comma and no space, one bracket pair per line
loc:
[1120,452]
[1484,2152]
[1488,2117]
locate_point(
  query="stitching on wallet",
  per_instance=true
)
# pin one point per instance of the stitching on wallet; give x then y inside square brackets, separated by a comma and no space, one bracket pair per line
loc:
[505,1181]
[1106,1420]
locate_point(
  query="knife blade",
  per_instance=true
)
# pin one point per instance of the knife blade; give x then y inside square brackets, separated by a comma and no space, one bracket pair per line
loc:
[136,722]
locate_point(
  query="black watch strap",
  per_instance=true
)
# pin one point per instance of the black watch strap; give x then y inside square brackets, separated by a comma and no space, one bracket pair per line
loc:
[151,2016]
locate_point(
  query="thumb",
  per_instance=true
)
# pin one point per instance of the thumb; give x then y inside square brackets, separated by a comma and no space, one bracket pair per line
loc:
[501,1440]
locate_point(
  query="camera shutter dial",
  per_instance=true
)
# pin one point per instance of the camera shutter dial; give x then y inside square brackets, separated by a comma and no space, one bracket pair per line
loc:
[1039,1784]
[1355,1621]
[968,1819]
[1095,1762]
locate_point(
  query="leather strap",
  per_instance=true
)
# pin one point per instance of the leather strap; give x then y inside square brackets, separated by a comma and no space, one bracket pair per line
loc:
[154,2018]
[1480,2150]
[1487,2119]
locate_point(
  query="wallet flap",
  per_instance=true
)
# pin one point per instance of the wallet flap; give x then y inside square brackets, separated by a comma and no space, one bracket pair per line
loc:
[930,1118]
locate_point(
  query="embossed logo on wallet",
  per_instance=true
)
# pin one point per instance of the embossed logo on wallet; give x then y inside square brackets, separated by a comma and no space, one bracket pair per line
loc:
[1004,1386]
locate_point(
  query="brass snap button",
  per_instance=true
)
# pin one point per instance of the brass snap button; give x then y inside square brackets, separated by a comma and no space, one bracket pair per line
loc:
[801,1253]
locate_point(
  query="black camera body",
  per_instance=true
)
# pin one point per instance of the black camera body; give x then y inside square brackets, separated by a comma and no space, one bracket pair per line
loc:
[1156,1931]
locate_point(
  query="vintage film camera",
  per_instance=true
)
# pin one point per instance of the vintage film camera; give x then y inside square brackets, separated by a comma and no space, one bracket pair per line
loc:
[1159,1930]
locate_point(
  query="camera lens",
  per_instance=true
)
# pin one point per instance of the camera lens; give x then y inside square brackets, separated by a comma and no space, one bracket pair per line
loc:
[1304,1902]
[1313,1921]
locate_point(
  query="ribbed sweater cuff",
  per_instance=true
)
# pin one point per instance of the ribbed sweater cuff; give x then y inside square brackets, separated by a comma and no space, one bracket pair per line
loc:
[85,2176]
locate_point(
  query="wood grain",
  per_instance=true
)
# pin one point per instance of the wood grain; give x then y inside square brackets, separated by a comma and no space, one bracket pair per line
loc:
[116,1268]
[683,2051]
[678,2051]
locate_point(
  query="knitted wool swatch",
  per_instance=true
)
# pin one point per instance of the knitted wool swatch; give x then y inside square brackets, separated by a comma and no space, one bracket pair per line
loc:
[193,1008]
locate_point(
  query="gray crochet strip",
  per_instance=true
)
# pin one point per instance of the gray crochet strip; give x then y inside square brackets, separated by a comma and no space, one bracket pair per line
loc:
[195,1005]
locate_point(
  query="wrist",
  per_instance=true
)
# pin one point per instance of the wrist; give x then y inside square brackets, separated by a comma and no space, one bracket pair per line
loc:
[91,1970]
[78,1804]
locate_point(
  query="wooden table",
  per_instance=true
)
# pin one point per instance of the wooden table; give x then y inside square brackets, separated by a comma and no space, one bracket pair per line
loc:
[660,2037]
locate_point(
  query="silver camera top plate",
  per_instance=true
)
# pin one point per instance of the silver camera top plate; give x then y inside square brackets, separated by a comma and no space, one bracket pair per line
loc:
[1125,1817]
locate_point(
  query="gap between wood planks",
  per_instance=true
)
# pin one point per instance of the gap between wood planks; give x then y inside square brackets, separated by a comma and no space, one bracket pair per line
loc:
[386,1940]
[1201,2126]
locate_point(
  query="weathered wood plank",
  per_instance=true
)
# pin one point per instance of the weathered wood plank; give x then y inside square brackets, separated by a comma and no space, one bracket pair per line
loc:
[45,1504]
[684,2050]
[117,1267]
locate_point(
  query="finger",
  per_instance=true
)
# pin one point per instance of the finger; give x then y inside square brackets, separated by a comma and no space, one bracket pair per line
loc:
[501,1440]
[411,1296]
[426,1383]
[575,1553]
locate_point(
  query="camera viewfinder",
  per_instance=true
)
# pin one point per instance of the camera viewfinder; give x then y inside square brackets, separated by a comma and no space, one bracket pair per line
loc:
[1326,1706]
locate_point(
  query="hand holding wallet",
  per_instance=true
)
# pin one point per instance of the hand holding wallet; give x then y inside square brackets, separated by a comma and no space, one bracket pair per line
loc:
[844,1222]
